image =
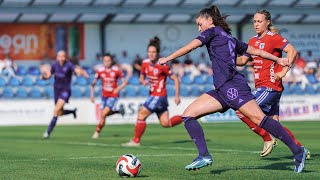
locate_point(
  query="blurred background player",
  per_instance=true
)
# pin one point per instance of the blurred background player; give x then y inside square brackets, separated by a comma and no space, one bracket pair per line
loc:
[109,76]
[157,102]
[268,75]
[231,89]
[62,70]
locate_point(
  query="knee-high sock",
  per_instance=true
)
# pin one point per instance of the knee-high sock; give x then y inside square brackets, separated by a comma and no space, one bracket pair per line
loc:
[175,120]
[196,133]
[255,128]
[139,129]
[66,111]
[52,124]
[100,126]
[277,130]
[292,136]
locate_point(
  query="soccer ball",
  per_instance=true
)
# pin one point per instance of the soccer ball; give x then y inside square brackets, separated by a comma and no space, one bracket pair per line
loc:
[128,165]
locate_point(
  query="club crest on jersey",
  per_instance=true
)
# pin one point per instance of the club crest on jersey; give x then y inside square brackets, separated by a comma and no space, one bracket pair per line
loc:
[155,71]
[261,45]
[112,74]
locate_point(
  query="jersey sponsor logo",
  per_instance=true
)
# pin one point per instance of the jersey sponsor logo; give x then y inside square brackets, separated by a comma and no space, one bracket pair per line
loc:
[232,93]
[272,79]
[261,45]
[257,43]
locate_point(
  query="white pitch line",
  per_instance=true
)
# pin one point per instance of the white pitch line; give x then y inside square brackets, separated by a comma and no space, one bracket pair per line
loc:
[88,157]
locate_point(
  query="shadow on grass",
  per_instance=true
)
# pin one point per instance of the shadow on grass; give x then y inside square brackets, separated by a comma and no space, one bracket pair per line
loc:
[274,166]
[187,141]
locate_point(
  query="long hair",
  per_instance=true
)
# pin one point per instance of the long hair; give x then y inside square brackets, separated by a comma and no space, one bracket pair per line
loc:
[155,42]
[267,15]
[217,18]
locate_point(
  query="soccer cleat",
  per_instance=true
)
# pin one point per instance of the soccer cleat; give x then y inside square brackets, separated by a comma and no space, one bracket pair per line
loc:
[131,143]
[267,148]
[95,135]
[300,159]
[307,157]
[199,162]
[45,135]
[75,113]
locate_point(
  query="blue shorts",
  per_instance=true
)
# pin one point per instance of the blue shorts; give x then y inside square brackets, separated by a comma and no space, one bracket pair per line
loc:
[157,104]
[109,102]
[232,94]
[60,93]
[268,100]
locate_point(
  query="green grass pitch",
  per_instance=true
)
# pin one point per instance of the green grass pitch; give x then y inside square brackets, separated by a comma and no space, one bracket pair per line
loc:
[71,153]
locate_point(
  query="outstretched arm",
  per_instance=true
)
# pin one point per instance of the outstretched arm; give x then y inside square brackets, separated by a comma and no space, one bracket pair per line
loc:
[266,55]
[81,72]
[194,44]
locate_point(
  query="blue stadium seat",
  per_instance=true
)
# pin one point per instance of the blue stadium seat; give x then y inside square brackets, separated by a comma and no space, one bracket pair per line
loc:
[184,91]
[21,71]
[2,82]
[134,80]
[97,91]
[210,80]
[130,91]
[143,91]
[86,92]
[27,81]
[186,80]
[35,93]
[7,92]
[33,70]
[296,89]
[76,92]
[22,93]
[122,93]
[81,81]
[195,90]
[41,82]
[170,81]
[309,90]
[311,78]
[88,69]
[318,88]
[207,88]
[48,92]
[14,82]
[199,80]
[51,80]
[170,90]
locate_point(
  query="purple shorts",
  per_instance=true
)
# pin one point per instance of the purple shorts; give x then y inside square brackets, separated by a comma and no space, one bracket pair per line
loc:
[60,93]
[232,94]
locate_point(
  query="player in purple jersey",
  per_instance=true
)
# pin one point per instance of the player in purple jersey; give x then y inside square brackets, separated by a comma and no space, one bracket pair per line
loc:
[231,88]
[62,70]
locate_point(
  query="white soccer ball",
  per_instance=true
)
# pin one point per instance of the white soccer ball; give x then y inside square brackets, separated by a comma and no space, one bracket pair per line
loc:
[128,165]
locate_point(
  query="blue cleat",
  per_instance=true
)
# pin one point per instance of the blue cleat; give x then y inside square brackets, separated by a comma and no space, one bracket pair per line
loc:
[300,159]
[200,162]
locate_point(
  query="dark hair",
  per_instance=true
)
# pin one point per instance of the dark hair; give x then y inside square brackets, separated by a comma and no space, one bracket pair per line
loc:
[267,15]
[217,18]
[110,55]
[155,42]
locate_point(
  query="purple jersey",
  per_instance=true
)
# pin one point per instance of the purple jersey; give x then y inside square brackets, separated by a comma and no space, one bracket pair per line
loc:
[223,50]
[62,74]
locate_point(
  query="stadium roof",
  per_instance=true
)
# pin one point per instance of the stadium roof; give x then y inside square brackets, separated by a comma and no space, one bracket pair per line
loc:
[152,11]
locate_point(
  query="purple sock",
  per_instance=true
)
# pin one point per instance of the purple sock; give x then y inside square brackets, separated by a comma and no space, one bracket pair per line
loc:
[52,124]
[196,133]
[276,129]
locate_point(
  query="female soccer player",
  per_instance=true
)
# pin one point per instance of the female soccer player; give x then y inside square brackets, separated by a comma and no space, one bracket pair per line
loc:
[231,88]
[62,70]
[268,75]
[109,76]
[157,102]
